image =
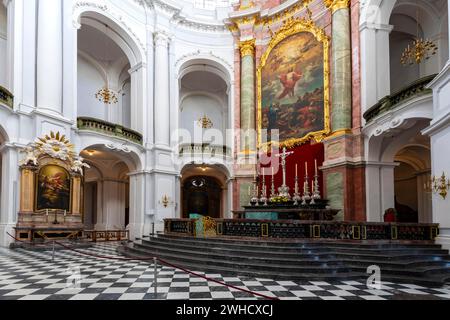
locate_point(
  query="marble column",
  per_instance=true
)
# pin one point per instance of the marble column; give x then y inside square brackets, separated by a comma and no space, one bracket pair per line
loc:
[162,105]
[50,56]
[341,112]
[248,111]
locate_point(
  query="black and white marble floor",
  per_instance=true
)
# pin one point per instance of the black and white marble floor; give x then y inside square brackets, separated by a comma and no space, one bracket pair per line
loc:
[28,275]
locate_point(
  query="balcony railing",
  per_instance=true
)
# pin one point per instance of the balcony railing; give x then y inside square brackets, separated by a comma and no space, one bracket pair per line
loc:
[115,130]
[415,89]
[6,97]
[198,149]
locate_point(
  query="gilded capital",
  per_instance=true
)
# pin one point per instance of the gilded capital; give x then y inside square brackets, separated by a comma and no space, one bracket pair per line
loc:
[247,48]
[246,4]
[335,5]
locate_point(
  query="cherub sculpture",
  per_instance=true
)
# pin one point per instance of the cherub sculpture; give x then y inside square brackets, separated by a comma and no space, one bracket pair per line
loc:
[78,165]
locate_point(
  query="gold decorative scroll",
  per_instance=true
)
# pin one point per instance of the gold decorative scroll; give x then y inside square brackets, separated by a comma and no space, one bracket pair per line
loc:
[291,27]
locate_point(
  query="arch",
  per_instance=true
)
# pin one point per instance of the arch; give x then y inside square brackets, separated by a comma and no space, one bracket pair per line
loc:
[98,16]
[131,158]
[204,62]
[377,12]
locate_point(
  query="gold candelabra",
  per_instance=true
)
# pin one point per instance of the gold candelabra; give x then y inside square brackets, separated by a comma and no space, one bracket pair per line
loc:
[205,123]
[418,51]
[440,185]
[106,96]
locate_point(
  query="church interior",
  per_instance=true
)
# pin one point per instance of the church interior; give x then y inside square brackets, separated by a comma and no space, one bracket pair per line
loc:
[277,149]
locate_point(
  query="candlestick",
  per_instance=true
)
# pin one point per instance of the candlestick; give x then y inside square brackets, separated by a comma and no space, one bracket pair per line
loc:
[306,168]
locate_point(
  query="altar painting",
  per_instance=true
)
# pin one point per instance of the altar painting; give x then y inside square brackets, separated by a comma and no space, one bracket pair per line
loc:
[53,188]
[293,90]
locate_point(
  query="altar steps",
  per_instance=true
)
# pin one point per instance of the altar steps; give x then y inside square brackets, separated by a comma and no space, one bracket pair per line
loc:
[420,263]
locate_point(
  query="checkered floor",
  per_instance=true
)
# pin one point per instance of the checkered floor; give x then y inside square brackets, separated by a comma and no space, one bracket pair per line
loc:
[28,275]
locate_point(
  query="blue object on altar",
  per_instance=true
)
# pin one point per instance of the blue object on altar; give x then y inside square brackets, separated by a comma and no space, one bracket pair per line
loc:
[261,215]
[198,224]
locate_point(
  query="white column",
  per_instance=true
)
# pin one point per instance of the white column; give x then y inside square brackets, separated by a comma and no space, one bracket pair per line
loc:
[375,66]
[138,83]
[150,139]
[9,195]
[100,221]
[114,204]
[162,100]
[137,199]
[50,56]
[380,190]
[424,200]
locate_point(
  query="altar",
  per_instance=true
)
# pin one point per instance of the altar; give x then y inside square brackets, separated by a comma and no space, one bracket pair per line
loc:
[51,191]
[304,203]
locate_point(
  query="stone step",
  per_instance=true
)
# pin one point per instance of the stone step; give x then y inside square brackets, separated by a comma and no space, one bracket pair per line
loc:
[231,271]
[294,259]
[289,243]
[335,265]
[341,274]
[276,252]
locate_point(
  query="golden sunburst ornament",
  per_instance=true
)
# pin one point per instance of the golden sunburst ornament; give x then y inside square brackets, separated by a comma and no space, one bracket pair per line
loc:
[56,146]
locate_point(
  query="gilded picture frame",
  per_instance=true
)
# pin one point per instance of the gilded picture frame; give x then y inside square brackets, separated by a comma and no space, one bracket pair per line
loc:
[290,28]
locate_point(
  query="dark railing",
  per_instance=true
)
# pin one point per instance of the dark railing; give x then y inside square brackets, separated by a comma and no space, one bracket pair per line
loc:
[108,235]
[6,97]
[194,149]
[111,129]
[290,229]
[415,89]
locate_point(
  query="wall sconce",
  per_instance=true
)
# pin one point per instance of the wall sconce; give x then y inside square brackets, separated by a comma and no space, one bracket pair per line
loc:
[441,185]
[165,202]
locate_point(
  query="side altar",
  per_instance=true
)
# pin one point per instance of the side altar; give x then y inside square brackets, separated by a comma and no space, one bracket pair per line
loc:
[305,203]
[51,194]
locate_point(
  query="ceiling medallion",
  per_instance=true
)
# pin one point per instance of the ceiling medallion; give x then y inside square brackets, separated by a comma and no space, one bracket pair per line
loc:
[106,96]
[205,122]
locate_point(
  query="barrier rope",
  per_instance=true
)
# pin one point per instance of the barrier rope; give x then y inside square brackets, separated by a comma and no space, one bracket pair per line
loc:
[163,262]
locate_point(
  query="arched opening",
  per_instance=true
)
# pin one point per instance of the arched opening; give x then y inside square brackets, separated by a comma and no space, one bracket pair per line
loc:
[3,44]
[104,61]
[204,191]
[204,103]
[106,189]
[412,200]
[411,21]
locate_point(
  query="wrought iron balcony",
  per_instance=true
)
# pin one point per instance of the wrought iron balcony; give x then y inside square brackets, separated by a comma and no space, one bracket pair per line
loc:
[416,89]
[115,130]
[6,97]
[198,149]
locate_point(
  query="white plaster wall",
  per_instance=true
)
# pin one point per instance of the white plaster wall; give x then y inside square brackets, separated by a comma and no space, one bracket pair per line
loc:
[89,82]
[195,107]
[3,37]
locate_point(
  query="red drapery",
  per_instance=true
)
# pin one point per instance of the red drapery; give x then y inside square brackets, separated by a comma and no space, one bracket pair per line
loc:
[303,154]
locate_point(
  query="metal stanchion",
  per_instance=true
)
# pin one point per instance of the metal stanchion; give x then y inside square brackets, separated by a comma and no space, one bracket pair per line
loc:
[155,282]
[53,251]
[153,229]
